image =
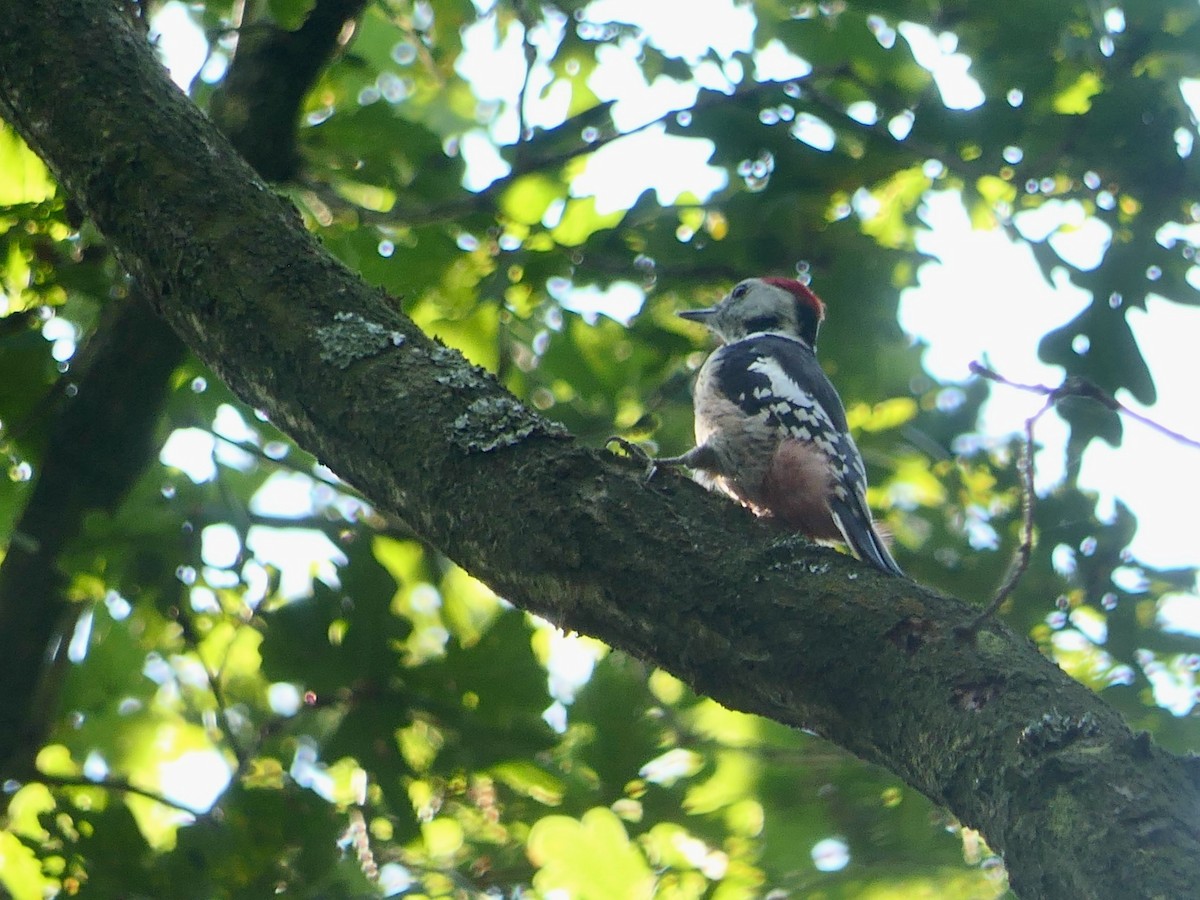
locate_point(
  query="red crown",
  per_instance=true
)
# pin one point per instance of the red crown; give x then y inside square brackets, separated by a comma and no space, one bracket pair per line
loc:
[801,292]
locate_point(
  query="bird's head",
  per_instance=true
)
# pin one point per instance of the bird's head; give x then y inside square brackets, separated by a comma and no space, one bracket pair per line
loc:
[764,306]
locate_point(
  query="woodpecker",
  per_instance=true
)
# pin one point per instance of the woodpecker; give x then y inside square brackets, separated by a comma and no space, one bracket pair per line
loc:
[770,428]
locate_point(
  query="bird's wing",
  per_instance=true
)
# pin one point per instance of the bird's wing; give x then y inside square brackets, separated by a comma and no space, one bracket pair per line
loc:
[779,381]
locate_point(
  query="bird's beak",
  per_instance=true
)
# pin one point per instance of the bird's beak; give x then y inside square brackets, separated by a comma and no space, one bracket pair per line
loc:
[697,315]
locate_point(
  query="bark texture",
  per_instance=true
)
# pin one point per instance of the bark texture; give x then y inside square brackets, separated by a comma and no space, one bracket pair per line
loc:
[1078,805]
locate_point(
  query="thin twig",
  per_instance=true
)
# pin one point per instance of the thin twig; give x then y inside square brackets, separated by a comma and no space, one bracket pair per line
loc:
[1160,428]
[1075,386]
[116,784]
[392,526]
[284,462]
[1024,554]
[218,692]
[530,59]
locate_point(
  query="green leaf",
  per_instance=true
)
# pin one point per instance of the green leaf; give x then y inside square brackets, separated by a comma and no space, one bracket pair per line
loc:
[489,696]
[581,220]
[590,858]
[336,638]
[532,780]
[24,178]
[1076,98]
[528,198]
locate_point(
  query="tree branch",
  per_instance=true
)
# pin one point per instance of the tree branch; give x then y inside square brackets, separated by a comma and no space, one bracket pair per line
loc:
[99,442]
[273,71]
[1041,766]
[119,785]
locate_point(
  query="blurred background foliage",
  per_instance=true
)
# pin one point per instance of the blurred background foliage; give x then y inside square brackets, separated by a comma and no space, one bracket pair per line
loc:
[270,688]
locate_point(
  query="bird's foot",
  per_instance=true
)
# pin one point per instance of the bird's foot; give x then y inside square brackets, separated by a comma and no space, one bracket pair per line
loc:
[637,452]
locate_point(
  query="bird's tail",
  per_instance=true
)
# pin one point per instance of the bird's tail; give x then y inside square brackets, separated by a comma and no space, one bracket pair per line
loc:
[861,535]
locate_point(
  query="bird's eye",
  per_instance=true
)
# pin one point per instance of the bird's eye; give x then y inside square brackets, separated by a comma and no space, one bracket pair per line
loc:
[739,291]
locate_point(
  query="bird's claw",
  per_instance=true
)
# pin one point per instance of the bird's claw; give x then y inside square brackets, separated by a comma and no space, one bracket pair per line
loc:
[633,450]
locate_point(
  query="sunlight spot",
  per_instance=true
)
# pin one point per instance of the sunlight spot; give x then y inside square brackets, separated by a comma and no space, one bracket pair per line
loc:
[1180,613]
[394,879]
[229,424]
[775,62]
[1077,238]
[884,33]
[484,163]
[949,69]
[180,42]
[728,27]
[621,300]
[196,779]
[118,607]
[863,111]
[300,554]
[425,598]
[220,545]
[814,131]
[570,664]
[620,172]
[1184,140]
[491,62]
[204,600]
[157,669]
[284,698]
[1190,89]
[94,767]
[190,450]
[1091,624]
[671,766]
[81,637]
[901,124]
[1130,579]
[309,772]
[1174,684]
[1062,558]
[555,715]
[831,855]
[981,271]
[288,495]
[62,334]
[619,77]
[1164,332]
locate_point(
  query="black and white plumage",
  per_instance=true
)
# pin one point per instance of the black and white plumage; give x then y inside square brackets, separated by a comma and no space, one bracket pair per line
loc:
[770,428]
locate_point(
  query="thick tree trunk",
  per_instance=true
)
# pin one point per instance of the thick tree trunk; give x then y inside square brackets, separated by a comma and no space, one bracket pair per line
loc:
[99,441]
[1050,774]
